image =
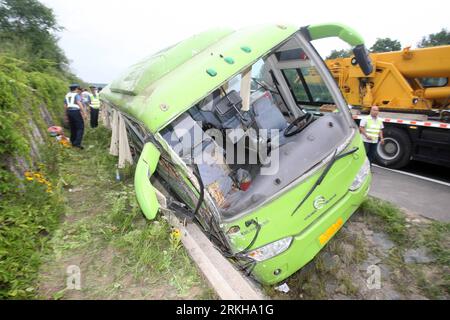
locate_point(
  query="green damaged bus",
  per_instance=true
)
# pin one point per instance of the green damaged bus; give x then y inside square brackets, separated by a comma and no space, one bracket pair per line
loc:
[246,134]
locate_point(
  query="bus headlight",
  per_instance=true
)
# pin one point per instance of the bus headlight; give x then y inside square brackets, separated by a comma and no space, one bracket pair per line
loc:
[361,176]
[271,250]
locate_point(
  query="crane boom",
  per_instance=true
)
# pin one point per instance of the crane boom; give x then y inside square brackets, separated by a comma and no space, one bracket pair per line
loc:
[402,81]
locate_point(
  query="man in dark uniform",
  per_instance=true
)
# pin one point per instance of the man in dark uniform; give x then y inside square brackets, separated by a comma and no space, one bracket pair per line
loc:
[75,114]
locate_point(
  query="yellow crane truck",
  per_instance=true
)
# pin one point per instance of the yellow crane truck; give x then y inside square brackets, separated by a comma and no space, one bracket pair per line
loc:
[412,90]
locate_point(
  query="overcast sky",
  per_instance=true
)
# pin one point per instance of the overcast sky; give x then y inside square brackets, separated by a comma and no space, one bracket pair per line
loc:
[104,37]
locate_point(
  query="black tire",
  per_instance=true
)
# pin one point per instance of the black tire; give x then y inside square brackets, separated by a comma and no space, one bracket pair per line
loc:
[396,151]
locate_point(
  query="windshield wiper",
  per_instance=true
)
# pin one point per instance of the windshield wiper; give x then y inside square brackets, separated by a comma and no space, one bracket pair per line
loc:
[324,174]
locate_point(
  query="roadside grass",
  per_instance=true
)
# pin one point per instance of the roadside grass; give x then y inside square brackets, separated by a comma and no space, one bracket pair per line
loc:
[339,270]
[436,237]
[432,279]
[28,217]
[393,221]
[121,255]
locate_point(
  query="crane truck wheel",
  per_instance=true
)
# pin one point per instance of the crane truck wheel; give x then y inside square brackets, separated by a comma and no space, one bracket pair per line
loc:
[396,151]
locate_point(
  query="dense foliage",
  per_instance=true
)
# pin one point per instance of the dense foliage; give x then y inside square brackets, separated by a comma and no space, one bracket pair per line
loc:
[340,54]
[441,38]
[386,45]
[24,92]
[27,28]
[28,213]
[33,82]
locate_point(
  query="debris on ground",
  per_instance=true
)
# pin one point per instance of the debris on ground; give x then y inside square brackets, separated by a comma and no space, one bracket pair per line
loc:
[284,288]
[419,255]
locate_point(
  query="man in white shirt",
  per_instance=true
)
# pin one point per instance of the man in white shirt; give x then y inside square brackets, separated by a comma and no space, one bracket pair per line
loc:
[371,129]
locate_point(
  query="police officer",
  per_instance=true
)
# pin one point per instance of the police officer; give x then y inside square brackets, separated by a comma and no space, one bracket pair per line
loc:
[75,114]
[372,131]
[94,106]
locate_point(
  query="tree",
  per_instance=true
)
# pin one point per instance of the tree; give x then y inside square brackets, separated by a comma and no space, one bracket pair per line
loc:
[386,45]
[340,54]
[31,23]
[27,15]
[441,38]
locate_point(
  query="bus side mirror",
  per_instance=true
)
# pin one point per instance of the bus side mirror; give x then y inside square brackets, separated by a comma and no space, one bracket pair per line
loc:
[145,192]
[362,58]
[345,33]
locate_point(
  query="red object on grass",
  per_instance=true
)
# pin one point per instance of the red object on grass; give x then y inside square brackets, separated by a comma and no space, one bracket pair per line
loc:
[245,185]
[55,130]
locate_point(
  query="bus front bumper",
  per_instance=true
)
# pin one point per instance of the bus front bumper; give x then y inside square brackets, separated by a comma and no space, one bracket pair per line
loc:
[307,244]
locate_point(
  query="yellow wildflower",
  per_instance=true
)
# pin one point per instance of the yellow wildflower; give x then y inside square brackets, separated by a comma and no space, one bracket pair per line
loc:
[176,234]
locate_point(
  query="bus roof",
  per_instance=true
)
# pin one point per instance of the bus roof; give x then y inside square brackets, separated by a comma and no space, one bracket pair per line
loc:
[158,89]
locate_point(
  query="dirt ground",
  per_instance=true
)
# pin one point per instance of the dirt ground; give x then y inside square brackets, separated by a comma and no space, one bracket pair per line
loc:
[365,262]
[105,240]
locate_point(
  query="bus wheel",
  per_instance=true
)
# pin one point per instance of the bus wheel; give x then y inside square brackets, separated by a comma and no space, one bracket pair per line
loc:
[396,151]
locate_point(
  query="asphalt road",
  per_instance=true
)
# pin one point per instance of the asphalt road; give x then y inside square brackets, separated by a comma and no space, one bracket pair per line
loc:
[428,170]
[428,194]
